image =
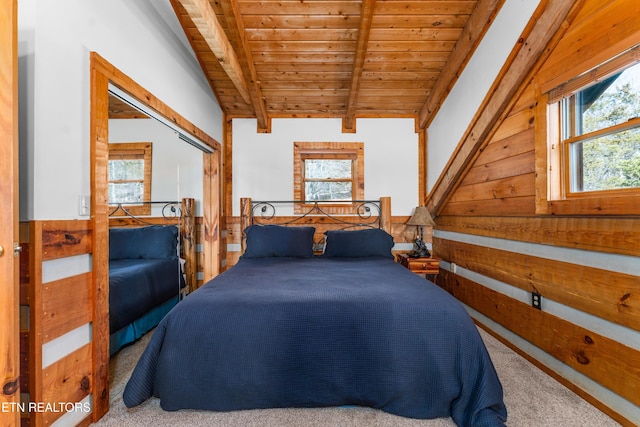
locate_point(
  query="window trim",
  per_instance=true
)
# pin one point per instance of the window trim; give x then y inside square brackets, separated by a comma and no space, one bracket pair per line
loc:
[602,71]
[134,149]
[552,197]
[328,150]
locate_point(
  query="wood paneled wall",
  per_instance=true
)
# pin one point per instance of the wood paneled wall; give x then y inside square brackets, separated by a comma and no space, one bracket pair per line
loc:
[56,352]
[498,248]
[199,252]
[56,314]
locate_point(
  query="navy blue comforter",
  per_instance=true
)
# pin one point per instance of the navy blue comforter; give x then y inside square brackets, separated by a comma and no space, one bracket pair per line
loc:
[282,332]
[138,285]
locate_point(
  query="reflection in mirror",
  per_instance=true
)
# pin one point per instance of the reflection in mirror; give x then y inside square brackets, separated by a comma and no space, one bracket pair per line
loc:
[103,76]
[127,99]
[149,167]
[176,167]
[129,177]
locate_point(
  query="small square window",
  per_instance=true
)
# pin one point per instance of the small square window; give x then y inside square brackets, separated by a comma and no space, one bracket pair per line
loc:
[129,177]
[330,173]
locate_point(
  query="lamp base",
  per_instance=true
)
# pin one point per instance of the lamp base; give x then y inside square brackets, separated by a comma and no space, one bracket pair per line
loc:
[420,247]
[419,254]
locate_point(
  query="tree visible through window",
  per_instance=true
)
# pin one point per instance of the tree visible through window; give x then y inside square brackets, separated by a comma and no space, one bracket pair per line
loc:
[601,134]
[328,179]
[130,176]
[328,172]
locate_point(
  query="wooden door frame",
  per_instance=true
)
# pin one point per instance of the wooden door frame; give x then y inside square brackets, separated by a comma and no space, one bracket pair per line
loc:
[9,271]
[103,73]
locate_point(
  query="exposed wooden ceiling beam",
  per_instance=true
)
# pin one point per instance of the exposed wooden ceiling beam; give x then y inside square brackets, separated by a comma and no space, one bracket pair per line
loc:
[364,30]
[330,58]
[478,24]
[236,28]
[204,18]
[546,27]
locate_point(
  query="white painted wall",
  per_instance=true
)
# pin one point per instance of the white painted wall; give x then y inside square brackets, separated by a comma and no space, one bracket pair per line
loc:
[458,109]
[176,167]
[263,162]
[55,39]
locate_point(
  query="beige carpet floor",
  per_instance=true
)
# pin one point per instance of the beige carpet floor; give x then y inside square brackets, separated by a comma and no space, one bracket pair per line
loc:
[532,399]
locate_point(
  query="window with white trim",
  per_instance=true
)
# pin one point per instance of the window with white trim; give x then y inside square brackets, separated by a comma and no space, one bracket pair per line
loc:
[599,129]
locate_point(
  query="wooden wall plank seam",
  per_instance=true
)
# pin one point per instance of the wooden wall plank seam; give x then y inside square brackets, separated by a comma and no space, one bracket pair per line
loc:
[602,293]
[607,361]
[507,147]
[617,235]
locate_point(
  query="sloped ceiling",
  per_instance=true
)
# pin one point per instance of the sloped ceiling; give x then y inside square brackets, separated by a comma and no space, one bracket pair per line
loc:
[333,58]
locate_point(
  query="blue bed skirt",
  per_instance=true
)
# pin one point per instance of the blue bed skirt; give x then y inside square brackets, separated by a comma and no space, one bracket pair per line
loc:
[139,327]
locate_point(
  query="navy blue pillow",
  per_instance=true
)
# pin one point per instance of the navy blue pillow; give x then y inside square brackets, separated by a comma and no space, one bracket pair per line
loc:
[119,243]
[158,241]
[372,242]
[152,242]
[266,241]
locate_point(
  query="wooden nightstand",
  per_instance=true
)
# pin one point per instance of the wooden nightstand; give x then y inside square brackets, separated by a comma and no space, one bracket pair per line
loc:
[429,266]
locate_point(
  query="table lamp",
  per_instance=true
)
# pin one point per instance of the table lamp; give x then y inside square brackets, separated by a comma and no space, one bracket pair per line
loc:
[420,217]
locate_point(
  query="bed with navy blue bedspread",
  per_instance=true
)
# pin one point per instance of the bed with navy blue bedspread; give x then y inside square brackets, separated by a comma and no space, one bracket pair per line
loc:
[144,280]
[317,332]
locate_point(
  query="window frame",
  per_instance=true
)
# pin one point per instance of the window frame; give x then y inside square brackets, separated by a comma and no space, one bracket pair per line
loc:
[568,170]
[353,151]
[552,152]
[142,150]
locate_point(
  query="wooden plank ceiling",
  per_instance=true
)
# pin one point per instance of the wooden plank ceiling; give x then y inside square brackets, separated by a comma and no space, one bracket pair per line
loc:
[333,58]
[119,109]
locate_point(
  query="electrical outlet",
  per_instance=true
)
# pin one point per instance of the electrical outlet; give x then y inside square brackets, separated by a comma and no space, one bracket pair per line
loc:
[536,300]
[84,207]
[454,267]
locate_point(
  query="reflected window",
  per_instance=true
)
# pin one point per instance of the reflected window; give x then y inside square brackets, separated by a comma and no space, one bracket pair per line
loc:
[129,171]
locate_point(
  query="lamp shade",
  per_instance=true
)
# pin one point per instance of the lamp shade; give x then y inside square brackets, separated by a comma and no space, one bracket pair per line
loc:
[421,216]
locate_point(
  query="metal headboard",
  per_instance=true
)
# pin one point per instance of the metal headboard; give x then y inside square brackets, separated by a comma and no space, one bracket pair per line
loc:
[352,215]
[180,213]
[362,213]
[170,210]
